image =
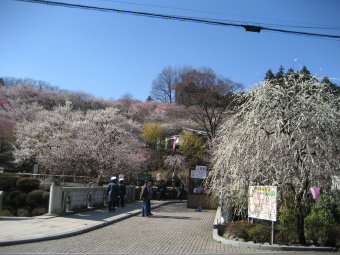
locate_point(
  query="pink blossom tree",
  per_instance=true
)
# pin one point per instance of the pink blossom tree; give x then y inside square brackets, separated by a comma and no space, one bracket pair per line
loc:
[97,144]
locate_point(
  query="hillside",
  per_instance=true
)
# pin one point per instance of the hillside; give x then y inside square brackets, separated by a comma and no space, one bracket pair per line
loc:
[34,120]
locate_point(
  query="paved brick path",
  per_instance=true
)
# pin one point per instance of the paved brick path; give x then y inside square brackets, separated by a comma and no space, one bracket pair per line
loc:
[173,229]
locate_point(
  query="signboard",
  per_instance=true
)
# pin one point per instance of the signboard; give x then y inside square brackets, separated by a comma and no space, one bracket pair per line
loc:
[144,177]
[199,173]
[201,168]
[262,203]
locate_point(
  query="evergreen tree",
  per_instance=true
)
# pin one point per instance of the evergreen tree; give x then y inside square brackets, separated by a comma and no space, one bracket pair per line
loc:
[290,72]
[306,75]
[269,75]
[305,71]
[280,74]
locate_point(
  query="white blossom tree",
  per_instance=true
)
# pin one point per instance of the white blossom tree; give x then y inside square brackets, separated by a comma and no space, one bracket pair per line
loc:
[175,162]
[285,134]
[97,144]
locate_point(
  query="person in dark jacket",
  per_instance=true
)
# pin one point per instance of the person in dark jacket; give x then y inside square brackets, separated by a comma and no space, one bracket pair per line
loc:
[112,193]
[162,190]
[180,191]
[145,196]
[122,192]
[150,190]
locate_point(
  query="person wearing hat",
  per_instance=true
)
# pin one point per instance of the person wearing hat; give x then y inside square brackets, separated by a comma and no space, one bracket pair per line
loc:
[112,193]
[122,192]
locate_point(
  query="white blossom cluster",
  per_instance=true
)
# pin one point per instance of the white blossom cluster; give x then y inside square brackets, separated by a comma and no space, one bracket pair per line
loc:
[282,134]
[175,162]
[96,143]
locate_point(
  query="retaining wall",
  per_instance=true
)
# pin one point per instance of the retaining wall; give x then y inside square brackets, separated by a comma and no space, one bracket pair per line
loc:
[65,200]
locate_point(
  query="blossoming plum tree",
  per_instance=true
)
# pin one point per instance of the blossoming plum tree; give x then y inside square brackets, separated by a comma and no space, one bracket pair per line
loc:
[97,144]
[284,133]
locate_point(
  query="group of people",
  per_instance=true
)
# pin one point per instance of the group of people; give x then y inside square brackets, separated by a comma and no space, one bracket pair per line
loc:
[115,193]
[162,191]
[147,192]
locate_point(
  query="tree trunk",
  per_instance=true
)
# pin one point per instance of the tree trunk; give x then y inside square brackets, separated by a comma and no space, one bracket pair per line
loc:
[300,219]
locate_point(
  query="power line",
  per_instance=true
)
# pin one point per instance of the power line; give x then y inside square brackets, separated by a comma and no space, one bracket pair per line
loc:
[307,26]
[247,27]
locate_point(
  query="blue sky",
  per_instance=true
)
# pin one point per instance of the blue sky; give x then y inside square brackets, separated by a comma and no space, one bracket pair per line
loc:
[108,54]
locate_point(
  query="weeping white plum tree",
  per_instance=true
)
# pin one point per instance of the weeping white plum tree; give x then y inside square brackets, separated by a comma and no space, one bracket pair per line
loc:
[285,133]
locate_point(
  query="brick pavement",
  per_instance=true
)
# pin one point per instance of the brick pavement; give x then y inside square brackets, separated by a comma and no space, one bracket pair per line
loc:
[173,229]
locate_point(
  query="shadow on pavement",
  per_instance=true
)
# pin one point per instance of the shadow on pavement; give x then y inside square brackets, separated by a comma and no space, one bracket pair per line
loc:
[174,217]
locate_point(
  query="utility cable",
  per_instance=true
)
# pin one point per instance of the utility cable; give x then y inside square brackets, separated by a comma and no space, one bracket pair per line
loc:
[307,26]
[250,28]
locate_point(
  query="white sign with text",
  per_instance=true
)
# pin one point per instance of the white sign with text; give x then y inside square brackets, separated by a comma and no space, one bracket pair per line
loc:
[262,202]
[199,173]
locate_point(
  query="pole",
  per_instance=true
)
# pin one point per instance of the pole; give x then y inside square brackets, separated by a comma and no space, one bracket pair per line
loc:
[272,232]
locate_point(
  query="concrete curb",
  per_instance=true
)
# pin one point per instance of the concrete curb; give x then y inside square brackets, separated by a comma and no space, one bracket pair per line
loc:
[121,217]
[220,239]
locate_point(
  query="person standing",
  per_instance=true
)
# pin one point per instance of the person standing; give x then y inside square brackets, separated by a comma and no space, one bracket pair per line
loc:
[112,193]
[180,191]
[122,192]
[150,191]
[145,196]
[162,190]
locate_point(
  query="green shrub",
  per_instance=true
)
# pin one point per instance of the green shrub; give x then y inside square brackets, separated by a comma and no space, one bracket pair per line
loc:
[8,181]
[10,197]
[39,211]
[319,226]
[260,232]
[331,202]
[26,184]
[286,225]
[35,198]
[6,213]
[46,197]
[20,200]
[239,229]
[9,208]
[23,212]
